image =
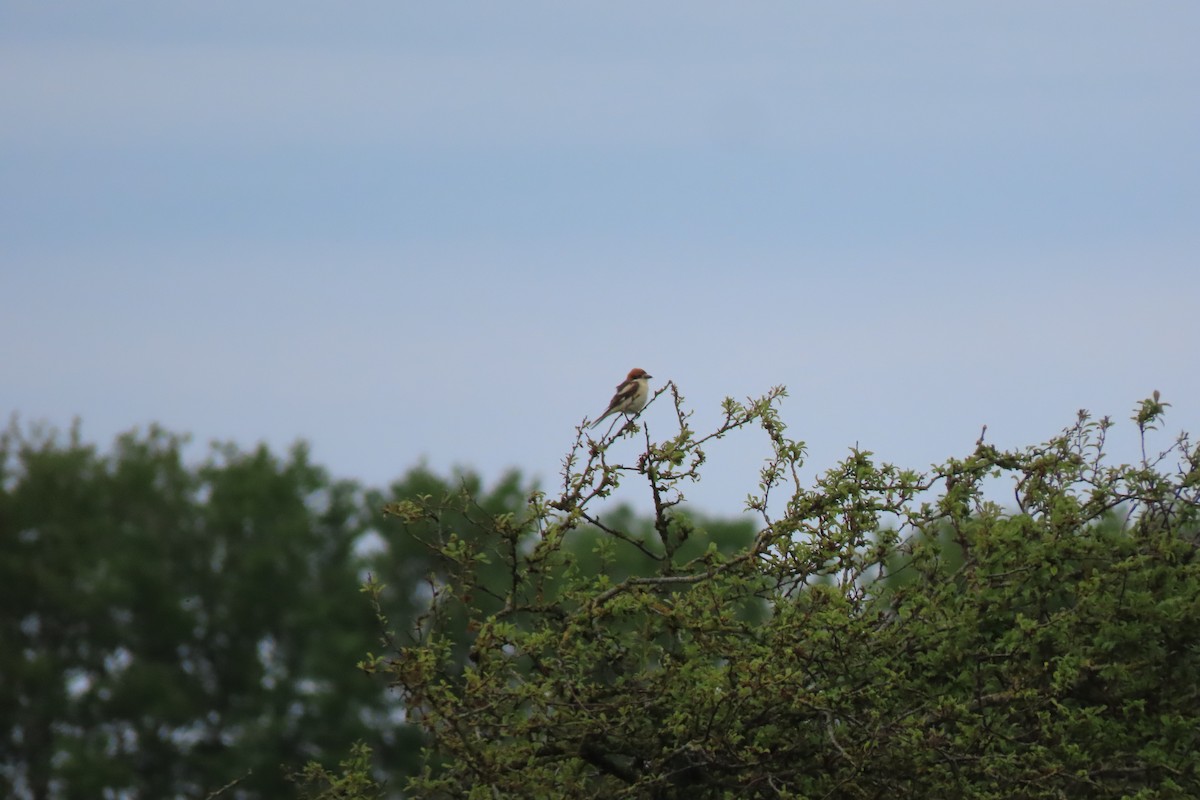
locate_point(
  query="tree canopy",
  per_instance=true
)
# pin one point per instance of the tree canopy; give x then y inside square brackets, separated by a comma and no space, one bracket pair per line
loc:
[178,628]
[170,629]
[882,632]
[1011,623]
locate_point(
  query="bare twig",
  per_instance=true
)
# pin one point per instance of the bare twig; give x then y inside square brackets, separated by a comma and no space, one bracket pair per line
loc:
[229,786]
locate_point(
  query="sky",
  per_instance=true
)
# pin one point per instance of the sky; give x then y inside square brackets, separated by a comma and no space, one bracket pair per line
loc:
[442,233]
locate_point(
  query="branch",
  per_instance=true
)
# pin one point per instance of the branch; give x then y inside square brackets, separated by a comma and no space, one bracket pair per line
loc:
[696,577]
[229,786]
[590,752]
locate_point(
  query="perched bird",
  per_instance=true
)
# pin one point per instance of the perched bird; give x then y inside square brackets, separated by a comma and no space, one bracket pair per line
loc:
[631,396]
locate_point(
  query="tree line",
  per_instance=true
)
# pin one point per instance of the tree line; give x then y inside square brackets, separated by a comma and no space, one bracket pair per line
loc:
[174,628]
[248,626]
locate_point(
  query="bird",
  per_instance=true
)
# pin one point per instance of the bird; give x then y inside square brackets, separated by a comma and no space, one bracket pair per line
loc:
[631,396]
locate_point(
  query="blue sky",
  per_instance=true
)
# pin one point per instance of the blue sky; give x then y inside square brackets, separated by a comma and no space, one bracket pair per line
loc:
[445,231]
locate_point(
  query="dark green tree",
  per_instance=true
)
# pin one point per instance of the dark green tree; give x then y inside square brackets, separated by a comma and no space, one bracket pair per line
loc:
[882,633]
[170,630]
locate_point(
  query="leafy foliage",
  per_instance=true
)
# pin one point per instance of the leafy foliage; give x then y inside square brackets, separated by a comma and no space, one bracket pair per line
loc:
[169,630]
[881,633]
[191,631]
